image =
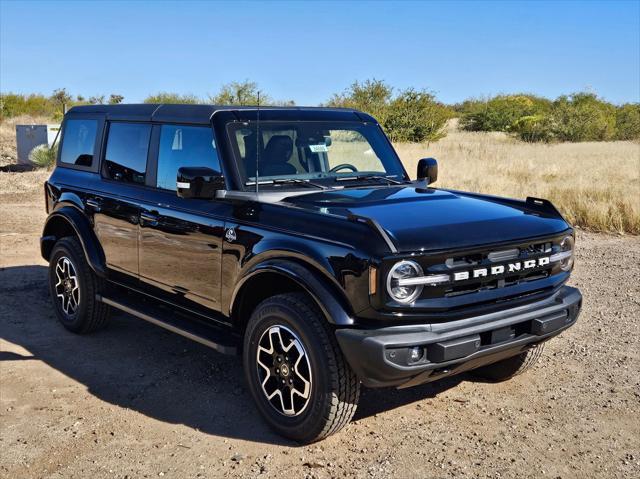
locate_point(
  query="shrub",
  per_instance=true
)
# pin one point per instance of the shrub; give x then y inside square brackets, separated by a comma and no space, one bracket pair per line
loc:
[533,128]
[43,156]
[239,93]
[501,112]
[583,117]
[371,96]
[12,104]
[412,115]
[468,106]
[172,98]
[416,116]
[628,122]
[578,117]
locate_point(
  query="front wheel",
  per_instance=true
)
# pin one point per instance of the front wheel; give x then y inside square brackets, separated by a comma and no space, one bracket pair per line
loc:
[297,375]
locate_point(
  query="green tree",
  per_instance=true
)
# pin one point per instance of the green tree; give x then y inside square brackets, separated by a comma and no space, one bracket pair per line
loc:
[583,117]
[371,96]
[501,112]
[533,128]
[411,115]
[628,122]
[240,93]
[115,99]
[416,116]
[61,98]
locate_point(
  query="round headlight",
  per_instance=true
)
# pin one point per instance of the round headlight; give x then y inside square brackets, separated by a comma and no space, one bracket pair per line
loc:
[566,246]
[403,270]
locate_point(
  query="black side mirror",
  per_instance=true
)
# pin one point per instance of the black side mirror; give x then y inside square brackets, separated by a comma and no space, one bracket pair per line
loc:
[198,182]
[427,170]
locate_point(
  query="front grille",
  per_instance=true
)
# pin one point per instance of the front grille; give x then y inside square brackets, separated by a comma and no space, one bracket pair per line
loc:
[500,255]
[471,261]
[497,283]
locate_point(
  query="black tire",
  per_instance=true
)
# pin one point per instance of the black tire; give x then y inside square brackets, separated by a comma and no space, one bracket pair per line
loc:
[88,315]
[510,367]
[334,388]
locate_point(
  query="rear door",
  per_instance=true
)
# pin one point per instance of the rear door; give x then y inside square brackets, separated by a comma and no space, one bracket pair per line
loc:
[181,239]
[117,205]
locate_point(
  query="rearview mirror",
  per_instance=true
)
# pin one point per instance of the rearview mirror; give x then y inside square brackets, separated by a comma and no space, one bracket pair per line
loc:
[198,182]
[427,170]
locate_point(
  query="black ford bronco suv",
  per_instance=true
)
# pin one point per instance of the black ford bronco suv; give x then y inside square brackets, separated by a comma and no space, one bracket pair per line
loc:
[295,238]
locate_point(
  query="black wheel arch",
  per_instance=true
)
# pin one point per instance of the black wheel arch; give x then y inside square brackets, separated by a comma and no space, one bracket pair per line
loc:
[68,221]
[280,275]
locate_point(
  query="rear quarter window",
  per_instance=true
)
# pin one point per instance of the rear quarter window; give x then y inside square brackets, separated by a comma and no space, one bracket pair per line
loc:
[78,142]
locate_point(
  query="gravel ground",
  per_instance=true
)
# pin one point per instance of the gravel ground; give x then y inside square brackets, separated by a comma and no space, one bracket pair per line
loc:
[136,401]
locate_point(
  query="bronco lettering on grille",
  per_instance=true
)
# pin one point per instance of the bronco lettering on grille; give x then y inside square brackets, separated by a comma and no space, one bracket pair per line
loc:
[513,267]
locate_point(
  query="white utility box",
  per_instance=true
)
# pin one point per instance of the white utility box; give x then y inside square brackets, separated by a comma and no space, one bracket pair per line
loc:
[30,136]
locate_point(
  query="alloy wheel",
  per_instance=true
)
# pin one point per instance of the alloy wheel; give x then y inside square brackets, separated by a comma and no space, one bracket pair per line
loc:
[284,370]
[68,287]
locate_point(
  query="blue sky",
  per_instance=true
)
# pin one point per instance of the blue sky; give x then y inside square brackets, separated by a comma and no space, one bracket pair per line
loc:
[306,51]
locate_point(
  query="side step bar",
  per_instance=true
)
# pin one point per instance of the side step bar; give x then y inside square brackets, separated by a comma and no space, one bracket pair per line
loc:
[194,330]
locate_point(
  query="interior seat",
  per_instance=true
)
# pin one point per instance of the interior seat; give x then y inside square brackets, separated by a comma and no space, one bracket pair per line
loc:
[277,154]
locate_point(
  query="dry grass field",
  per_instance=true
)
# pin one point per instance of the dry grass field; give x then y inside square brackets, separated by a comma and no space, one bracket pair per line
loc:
[596,185]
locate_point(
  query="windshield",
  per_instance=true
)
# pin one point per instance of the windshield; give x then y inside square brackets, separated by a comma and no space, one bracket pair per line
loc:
[303,153]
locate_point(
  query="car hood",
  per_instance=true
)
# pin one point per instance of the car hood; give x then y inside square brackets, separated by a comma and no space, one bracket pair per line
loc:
[431,219]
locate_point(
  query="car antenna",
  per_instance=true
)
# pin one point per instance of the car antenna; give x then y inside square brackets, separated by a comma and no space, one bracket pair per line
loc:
[257,144]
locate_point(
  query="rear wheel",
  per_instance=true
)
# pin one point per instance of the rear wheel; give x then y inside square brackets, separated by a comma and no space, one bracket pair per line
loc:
[510,367]
[301,383]
[73,287]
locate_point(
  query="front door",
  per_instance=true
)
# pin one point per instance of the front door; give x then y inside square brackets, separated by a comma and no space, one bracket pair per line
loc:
[180,243]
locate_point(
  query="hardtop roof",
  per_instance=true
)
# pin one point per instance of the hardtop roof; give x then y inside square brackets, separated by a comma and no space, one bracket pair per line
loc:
[203,114]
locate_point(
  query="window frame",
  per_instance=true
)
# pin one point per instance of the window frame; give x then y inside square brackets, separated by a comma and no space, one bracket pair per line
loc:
[103,152]
[97,149]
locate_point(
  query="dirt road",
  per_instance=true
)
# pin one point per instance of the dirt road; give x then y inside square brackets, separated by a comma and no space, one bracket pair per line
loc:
[136,401]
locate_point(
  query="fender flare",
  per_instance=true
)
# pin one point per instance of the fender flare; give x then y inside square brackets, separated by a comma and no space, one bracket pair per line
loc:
[83,230]
[333,304]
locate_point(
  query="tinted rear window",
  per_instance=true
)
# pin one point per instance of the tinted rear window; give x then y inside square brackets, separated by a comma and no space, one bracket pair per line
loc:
[79,142]
[126,156]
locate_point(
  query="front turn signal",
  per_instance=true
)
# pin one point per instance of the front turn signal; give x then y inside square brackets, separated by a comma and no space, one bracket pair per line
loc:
[373,280]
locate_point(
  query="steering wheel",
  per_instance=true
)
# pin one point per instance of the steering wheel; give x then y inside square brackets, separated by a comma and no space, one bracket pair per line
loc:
[343,166]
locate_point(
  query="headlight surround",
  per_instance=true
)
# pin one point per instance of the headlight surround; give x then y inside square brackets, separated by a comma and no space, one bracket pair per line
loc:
[567,246]
[401,270]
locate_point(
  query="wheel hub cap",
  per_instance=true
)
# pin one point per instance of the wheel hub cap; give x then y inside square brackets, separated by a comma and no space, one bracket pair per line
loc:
[284,370]
[67,286]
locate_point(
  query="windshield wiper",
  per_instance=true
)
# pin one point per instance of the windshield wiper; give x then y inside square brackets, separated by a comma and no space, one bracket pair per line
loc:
[388,179]
[288,181]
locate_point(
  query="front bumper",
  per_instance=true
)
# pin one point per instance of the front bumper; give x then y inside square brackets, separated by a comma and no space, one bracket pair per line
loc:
[381,357]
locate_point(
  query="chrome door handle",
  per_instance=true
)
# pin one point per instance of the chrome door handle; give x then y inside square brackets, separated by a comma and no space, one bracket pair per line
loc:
[94,204]
[150,219]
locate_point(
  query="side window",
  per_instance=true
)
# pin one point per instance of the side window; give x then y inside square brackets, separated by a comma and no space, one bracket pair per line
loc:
[184,146]
[79,142]
[126,156]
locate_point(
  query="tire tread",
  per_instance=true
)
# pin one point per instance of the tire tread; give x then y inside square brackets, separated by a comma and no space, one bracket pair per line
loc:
[97,313]
[344,383]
